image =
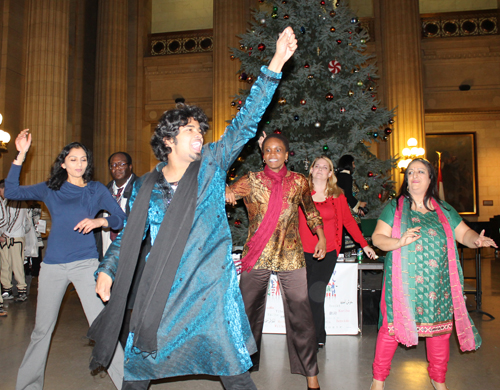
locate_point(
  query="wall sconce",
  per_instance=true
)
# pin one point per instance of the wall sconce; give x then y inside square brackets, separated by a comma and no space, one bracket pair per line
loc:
[4,137]
[409,154]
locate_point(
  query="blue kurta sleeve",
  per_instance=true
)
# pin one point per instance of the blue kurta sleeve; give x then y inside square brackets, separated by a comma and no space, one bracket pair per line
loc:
[109,264]
[106,202]
[244,126]
[16,192]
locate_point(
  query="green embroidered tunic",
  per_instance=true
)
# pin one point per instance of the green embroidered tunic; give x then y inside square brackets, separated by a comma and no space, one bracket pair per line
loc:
[428,272]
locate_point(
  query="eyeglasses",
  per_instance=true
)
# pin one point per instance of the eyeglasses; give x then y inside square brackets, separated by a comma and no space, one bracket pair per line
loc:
[117,165]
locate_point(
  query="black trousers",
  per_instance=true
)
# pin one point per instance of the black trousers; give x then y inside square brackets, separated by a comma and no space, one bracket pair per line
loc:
[235,382]
[319,273]
[300,334]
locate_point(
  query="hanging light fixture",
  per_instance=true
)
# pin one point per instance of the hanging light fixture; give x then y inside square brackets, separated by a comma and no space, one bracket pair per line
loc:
[4,137]
[409,154]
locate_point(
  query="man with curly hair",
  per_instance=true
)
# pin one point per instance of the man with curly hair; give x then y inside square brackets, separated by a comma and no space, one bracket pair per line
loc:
[188,315]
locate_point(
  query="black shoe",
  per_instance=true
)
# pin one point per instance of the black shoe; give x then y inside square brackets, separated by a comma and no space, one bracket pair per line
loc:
[21,297]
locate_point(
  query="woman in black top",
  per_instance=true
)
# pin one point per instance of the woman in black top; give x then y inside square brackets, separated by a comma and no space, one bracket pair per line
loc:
[345,169]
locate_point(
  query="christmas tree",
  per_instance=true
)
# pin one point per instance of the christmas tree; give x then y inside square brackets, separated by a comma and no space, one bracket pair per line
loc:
[326,102]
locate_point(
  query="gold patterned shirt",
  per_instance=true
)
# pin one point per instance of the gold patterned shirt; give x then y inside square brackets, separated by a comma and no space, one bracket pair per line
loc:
[284,250]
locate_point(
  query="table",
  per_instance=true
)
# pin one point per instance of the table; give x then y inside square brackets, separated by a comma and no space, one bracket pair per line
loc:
[340,310]
[478,291]
[366,264]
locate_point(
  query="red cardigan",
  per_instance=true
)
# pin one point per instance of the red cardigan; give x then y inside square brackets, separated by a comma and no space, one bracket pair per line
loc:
[335,213]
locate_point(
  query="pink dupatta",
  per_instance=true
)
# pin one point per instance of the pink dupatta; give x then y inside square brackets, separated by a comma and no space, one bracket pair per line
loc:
[404,319]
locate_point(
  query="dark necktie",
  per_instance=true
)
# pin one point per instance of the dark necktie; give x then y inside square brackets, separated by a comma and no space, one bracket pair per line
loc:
[117,197]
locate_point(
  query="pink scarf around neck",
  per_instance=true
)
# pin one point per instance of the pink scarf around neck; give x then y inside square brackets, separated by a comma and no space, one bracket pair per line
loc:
[268,225]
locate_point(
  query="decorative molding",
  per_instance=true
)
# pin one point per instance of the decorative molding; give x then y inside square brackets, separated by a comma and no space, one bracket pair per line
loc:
[460,24]
[455,116]
[441,25]
[178,70]
[461,56]
[184,42]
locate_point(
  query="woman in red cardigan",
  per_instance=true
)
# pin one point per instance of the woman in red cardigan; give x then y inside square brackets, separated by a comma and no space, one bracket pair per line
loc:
[333,208]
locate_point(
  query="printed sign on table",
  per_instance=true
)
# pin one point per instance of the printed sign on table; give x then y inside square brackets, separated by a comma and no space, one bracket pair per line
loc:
[341,303]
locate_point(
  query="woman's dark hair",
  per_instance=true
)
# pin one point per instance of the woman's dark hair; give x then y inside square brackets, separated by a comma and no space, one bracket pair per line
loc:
[58,175]
[168,127]
[432,191]
[280,137]
[345,163]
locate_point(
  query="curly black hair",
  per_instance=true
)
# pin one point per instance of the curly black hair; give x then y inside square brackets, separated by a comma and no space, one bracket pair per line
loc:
[168,127]
[58,175]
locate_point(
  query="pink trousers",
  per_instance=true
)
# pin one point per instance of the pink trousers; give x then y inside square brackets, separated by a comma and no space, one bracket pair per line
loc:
[438,351]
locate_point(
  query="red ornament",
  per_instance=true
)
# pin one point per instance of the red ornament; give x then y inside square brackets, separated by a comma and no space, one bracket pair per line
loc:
[285,16]
[306,66]
[370,174]
[334,66]
[277,131]
[342,110]
[303,101]
[322,2]
[261,47]
[237,222]
[332,29]
[339,41]
[329,96]
[380,196]
[240,102]
[387,130]
[374,108]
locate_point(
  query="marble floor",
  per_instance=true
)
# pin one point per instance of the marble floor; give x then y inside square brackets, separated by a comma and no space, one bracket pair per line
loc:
[345,363]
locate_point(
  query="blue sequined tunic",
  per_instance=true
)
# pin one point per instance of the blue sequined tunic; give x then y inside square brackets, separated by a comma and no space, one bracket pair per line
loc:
[204,328]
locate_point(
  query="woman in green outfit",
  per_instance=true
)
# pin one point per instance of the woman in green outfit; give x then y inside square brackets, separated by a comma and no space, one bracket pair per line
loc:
[423,281]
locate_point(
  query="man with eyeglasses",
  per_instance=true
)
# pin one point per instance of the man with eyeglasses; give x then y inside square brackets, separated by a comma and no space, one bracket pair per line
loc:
[120,168]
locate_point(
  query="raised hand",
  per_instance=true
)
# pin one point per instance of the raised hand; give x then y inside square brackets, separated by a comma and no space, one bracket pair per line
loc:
[261,140]
[23,143]
[285,47]
[483,241]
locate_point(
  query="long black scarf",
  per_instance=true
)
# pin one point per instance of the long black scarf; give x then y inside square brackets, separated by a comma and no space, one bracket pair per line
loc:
[159,272]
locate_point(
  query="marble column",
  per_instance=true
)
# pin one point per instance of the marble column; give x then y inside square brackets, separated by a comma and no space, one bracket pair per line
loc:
[45,111]
[402,72]
[230,20]
[110,130]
